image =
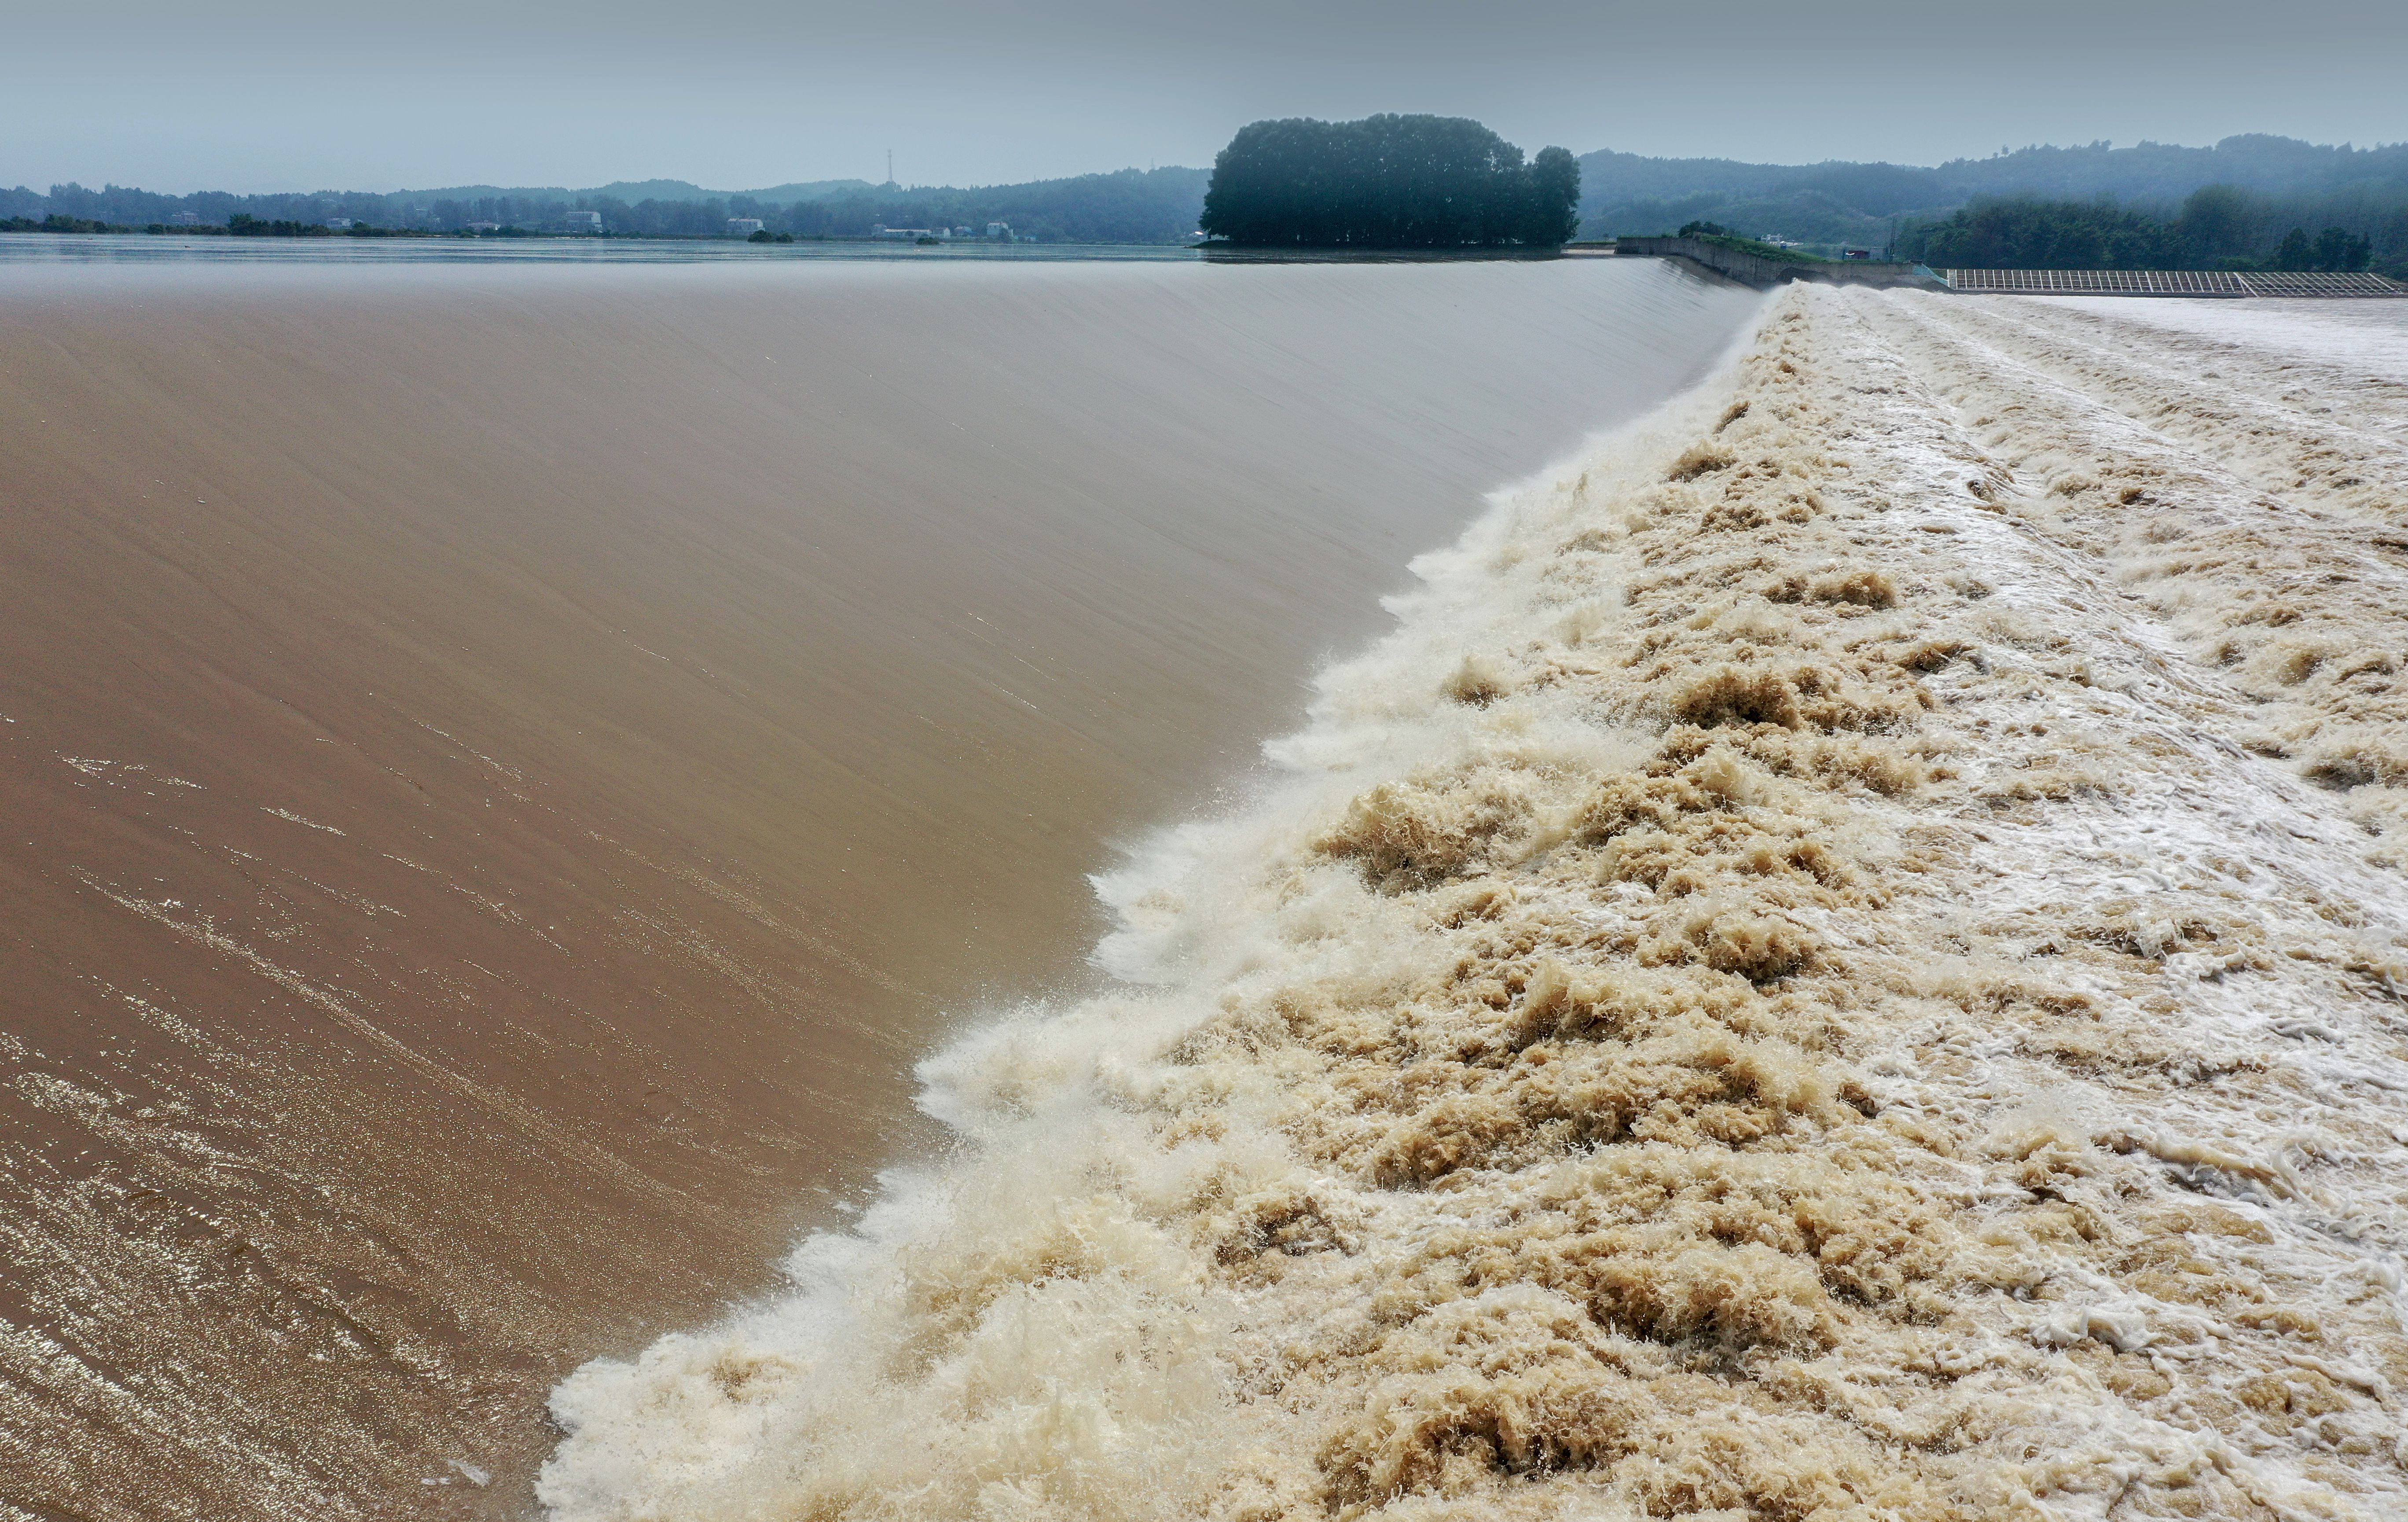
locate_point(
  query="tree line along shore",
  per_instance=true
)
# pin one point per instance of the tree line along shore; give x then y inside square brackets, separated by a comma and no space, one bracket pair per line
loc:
[2235,205]
[1388,181]
[2217,227]
[241,226]
[1133,205]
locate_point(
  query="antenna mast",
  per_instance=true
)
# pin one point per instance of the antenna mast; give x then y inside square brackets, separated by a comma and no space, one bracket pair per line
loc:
[890,166]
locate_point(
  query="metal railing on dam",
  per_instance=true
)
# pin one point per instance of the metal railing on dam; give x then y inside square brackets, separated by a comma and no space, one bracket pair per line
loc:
[2228,284]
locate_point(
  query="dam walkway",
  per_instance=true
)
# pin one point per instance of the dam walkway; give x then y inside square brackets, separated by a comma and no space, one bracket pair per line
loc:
[2229,283]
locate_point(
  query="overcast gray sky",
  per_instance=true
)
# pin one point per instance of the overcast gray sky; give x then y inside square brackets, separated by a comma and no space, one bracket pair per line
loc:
[289,94]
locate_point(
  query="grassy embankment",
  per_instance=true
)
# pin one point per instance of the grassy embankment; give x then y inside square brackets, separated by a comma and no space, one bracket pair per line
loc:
[1761,250]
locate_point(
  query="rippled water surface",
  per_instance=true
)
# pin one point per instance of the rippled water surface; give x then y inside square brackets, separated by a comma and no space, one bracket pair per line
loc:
[510,764]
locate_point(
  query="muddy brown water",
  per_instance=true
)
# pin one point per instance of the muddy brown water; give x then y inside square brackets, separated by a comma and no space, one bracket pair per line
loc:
[505,769]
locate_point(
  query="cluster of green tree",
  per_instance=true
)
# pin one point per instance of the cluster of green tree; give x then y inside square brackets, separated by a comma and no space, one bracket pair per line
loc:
[238,225]
[1133,205]
[2363,192]
[1388,182]
[242,225]
[2290,184]
[2022,233]
[57,223]
[2217,227]
[2332,249]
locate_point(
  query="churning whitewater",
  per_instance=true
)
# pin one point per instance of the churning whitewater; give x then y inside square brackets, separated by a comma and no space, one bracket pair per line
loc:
[1848,959]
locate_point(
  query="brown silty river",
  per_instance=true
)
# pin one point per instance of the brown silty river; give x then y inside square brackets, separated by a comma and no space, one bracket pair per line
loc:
[507,769]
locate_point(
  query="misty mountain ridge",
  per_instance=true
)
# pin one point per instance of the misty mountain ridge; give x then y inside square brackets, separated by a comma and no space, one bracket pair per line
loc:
[647,190]
[1840,201]
[2253,160]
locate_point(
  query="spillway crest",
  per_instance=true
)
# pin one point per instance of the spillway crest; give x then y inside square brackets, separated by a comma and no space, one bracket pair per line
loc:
[1847,958]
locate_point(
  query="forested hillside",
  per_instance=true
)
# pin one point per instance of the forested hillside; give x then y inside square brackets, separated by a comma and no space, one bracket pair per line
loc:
[2218,227]
[2283,184]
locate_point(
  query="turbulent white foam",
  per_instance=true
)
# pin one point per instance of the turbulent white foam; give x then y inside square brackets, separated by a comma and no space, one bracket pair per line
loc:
[2364,340]
[1802,980]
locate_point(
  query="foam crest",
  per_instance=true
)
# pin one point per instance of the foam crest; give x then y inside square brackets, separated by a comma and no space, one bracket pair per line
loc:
[1773,992]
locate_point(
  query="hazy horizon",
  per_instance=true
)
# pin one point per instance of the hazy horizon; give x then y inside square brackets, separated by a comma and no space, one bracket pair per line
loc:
[736,95]
[664,183]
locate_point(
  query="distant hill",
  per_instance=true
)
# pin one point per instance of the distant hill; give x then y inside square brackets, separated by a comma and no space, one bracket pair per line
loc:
[679,190]
[1132,206]
[1847,202]
[2168,172]
[2364,190]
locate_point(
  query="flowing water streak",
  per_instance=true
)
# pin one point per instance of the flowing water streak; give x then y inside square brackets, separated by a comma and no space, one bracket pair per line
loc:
[508,766]
[1846,960]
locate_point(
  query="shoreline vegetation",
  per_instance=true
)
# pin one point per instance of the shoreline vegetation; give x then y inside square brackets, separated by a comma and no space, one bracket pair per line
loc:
[2214,224]
[2253,202]
[1213,252]
[243,226]
[2218,227]
[2266,186]
[1388,182]
[1130,205]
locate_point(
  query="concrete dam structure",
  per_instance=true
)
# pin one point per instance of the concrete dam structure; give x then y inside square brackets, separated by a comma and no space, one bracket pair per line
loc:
[1757,270]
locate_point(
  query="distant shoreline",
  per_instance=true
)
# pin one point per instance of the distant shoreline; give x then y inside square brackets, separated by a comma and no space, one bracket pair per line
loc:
[304,233]
[22,246]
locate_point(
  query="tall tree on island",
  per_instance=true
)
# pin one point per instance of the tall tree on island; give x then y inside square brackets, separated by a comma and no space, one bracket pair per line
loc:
[1388,182]
[1554,210]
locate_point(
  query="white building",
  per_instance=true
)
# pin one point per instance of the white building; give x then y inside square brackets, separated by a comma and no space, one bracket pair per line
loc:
[341,223]
[183,219]
[745,226]
[999,230]
[582,222]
